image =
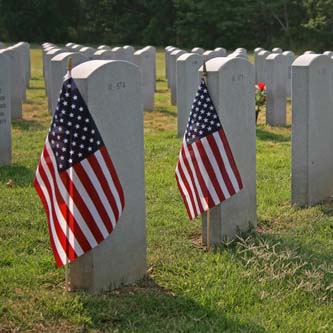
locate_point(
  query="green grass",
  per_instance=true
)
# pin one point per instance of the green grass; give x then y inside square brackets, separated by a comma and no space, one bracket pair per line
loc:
[277,280]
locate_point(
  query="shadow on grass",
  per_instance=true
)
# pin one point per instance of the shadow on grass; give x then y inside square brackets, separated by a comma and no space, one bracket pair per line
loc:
[148,307]
[269,136]
[27,125]
[20,175]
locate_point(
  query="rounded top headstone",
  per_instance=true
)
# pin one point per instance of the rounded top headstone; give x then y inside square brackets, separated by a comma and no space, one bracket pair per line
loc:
[264,53]
[308,59]
[216,64]
[177,52]
[188,56]
[277,50]
[309,52]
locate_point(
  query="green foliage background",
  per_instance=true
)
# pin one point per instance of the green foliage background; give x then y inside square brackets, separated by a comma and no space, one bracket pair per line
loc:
[294,24]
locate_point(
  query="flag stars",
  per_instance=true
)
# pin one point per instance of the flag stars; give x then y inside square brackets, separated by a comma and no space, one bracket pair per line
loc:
[74,136]
[203,118]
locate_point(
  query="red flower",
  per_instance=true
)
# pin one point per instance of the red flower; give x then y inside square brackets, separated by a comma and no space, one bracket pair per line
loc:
[261,85]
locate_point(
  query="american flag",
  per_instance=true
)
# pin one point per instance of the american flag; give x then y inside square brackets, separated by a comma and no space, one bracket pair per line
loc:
[76,180]
[206,171]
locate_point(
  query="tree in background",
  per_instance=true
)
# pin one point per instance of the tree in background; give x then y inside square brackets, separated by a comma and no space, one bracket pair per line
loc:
[290,24]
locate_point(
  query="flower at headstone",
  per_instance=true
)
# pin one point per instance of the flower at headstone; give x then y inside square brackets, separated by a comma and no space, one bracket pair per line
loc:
[260,97]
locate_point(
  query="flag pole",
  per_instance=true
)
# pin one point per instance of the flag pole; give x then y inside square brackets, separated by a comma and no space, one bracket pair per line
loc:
[204,77]
[67,268]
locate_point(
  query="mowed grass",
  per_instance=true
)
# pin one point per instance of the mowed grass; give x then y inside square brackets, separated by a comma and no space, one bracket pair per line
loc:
[279,279]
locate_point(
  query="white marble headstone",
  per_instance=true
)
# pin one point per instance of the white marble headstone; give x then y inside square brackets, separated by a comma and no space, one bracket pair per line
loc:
[17,82]
[88,51]
[231,86]
[312,135]
[104,54]
[112,92]
[58,69]
[172,74]
[276,71]
[290,57]
[188,79]
[277,50]
[259,65]
[145,61]
[5,112]
[198,50]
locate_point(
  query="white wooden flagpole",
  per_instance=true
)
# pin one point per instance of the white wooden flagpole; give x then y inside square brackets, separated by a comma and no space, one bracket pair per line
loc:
[204,76]
[67,268]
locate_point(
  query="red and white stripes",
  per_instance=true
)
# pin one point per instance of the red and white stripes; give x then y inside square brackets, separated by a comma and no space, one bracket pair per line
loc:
[83,203]
[206,173]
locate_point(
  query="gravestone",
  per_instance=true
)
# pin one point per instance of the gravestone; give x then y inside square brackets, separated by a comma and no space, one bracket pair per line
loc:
[129,53]
[104,47]
[277,50]
[172,74]
[312,135]
[19,49]
[289,58]
[237,54]
[241,50]
[48,56]
[58,69]
[257,50]
[152,51]
[230,83]
[119,53]
[259,64]
[112,92]
[26,61]
[5,112]
[145,61]
[188,80]
[76,47]
[309,52]
[2,45]
[168,52]
[328,53]
[198,50]
[69,45]
[88,51]
[276,71]
[220,52]
[16,82]
[209,54]
[104,54]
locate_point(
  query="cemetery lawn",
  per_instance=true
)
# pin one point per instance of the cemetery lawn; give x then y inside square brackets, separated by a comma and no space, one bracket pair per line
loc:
[279,279]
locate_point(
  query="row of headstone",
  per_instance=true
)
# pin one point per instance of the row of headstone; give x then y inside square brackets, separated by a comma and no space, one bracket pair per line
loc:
[113,93]
[312,135]
[14,79]
[121,258]
[274,69]
[172,54]
[55,60]
[145,59]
